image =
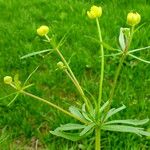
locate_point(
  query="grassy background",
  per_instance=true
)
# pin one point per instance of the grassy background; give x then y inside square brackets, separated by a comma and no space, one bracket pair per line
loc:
[27,121]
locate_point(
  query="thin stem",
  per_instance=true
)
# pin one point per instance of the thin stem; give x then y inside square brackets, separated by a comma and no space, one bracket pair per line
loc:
[124,54]
[52,105]
[76,85]
[102,68]
[115,81]
[97,138]
[74,78]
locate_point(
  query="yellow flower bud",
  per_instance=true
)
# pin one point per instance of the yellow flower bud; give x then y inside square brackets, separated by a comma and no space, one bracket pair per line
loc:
[7,80]
[133,18]
[60,65]
[94,12]
[42,30]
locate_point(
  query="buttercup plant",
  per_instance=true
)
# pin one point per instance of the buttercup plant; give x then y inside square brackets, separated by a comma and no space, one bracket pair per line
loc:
[94,114]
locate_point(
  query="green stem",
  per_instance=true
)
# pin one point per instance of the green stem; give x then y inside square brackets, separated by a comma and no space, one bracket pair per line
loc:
[102,68]
[85,99]
[52,105]
[97,138]
[79,89]
[115,81]
[125,52]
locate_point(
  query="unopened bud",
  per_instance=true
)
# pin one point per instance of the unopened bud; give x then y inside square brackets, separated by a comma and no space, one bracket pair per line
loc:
[42,30]
[60,65]
[94,12]
[8,80]
[133,18]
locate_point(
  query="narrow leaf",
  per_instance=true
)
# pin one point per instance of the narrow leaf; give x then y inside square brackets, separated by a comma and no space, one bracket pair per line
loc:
[139,49]
[129,121]
[122,128]
[85,114]
[68,136]
[107,46]
[13,99]
[75,111]
[35,53]
[148,62]
[114,111]
[86,129]
[70,126]
[104,106]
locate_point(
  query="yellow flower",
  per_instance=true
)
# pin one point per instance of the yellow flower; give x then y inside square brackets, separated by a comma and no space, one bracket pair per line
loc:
[133,18]
[42,30]
[7,80]
[94,12]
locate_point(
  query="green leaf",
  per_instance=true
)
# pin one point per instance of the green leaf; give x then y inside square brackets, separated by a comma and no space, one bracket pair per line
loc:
[70,126]
[124,37]
[87,129]
[107,46]
[104,106]
[36,53]
[129,121]
[148,62]
[85,114]
[13,99]
[68,136]
[124,128]
[75,111]
[139,49]
[114,111]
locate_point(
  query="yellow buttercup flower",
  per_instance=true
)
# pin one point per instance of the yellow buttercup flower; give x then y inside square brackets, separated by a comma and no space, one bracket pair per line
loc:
[133,18]
[8,80]
[94,12]
[42,30]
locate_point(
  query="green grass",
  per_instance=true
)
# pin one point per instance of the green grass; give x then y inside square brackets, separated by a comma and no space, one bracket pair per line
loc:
[27,122]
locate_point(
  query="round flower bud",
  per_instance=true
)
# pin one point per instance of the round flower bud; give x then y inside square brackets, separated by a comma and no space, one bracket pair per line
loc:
[133,18]
[60,65]
[94,12]
[42,30]
[7,80]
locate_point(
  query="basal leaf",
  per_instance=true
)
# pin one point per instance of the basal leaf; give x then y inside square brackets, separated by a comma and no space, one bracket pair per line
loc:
[70,126]
[68,136]
[75,111]
[87,129]
[129,121]
[125,128]
[114,111]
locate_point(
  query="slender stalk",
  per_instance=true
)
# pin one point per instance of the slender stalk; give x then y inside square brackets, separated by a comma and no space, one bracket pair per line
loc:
[102,68]
[85,99]
[115,81]
[97,138]
[52,105]
[79,89]
[124,54]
